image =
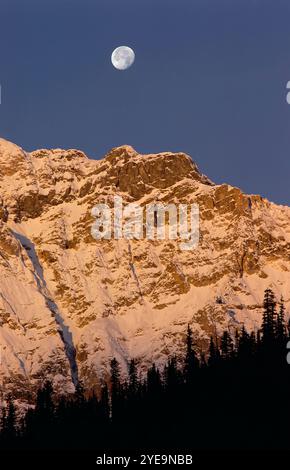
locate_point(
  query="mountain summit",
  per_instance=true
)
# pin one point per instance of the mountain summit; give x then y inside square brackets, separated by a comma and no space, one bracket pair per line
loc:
[68,302]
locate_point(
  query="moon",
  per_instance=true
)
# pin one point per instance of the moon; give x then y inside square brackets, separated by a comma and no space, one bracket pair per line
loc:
[123,57]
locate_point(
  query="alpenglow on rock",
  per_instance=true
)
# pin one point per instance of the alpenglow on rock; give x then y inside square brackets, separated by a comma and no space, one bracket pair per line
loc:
[69,303]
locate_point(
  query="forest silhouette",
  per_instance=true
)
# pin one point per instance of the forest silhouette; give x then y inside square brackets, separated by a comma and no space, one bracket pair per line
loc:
[233,396]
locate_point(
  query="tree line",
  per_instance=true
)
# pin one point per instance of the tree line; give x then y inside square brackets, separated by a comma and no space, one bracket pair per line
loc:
[234,397]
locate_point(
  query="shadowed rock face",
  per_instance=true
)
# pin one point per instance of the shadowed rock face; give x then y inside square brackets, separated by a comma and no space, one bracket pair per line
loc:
[68,303]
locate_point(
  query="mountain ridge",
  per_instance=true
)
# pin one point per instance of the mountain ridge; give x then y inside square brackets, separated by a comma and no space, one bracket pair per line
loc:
[68,303]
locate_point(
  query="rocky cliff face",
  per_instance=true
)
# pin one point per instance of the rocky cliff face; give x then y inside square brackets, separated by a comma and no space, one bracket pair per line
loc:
[68,302]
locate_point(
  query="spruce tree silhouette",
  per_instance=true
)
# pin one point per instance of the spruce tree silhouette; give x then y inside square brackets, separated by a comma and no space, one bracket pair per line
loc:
[133,378]
[237,399]
[281,328]
[214,353]
[191,362]
[9,422]
[227,347]
[269,314]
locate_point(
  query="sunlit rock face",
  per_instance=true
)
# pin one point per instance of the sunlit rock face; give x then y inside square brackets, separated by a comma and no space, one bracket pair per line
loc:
[68,302]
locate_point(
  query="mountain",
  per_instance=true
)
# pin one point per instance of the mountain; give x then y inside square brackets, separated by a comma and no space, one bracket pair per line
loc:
[68,302]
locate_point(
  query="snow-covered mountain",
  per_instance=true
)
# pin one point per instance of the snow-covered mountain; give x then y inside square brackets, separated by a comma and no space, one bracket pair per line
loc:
[68,302]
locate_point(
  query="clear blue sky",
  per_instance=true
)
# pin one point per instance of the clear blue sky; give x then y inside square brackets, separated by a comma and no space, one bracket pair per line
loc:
[209,79]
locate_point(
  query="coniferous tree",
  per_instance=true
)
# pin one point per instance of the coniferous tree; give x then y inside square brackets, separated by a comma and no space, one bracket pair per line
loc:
[115,375]
[280,327]
[237,339]
[115,389]
[154,390]
[44,401]
[79,394]
[104,405]
[288,328]
[244,348]
[133,378]
[43,417]
[202,362]
[227,347]
[214,353]
[171,374]
[3,418]
[104,421]
[269,317]
[191,362]
[10,421]
[154,382]
[259,341]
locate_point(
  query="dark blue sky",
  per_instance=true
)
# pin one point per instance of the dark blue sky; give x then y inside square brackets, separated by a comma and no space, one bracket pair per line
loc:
[209,79]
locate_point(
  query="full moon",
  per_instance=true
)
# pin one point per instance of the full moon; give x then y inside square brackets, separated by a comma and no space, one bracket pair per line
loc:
[123,57]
